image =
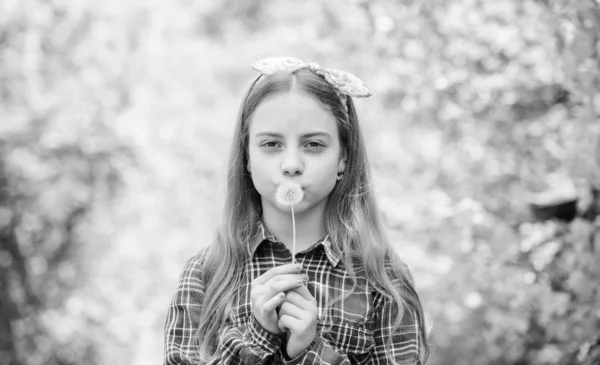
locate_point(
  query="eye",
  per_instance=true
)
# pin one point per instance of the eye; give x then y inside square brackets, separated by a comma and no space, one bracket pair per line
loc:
[270,144]
[314,145]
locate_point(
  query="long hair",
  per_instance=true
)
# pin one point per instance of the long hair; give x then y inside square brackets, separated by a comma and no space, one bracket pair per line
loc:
[351,214]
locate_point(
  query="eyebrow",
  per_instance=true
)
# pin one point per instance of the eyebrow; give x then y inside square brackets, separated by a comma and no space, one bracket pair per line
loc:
[307,135]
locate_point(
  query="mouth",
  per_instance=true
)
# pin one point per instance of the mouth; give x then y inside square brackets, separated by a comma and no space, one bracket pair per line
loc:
[286,182]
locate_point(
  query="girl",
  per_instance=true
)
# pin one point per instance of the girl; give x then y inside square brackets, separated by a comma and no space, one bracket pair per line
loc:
[349,299]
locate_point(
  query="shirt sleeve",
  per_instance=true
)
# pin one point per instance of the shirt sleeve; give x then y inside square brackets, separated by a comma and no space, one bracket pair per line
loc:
[391,345]
[318,352]
[403,348]
[244,344]
[404,345]
[181,344]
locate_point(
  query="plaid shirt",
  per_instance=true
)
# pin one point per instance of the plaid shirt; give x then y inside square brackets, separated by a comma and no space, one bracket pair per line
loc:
[354,331]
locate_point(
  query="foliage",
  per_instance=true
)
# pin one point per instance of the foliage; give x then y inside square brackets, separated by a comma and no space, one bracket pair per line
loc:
[58,166]
[518,112]
[115,120]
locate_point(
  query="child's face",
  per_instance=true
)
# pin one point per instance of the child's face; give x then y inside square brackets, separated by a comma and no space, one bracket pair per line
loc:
[294,138]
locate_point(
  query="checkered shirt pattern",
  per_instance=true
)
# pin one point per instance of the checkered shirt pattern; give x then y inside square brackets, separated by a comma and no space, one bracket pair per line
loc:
[354,331]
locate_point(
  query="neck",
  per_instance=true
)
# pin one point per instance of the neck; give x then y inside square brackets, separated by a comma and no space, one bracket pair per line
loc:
[309,226]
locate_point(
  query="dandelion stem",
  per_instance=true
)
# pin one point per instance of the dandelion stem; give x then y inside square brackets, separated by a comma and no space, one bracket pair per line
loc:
[293,236]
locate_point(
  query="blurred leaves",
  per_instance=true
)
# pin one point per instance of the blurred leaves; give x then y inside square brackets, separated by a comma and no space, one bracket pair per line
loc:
[59,164]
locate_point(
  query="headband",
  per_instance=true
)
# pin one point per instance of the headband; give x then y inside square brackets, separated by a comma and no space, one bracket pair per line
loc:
[344,83]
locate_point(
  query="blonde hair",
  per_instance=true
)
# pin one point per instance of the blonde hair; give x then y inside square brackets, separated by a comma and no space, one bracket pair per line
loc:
[351,214]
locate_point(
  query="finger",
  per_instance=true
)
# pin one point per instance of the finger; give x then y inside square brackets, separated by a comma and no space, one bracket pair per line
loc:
[289,309]
[289,323]
[296,299]
[279,270]
[300,308]
[283,283]
[274,302]
[303,292]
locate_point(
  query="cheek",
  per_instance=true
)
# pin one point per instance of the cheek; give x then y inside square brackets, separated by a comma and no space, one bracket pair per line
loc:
[260,172]
[328,178]
[254,161]
[259,167]
[328,186]
[260,182]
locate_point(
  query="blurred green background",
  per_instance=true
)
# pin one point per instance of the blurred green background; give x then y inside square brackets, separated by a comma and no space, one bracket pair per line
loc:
[115,123]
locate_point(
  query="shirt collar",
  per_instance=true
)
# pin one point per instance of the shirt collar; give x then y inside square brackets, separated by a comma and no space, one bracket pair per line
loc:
[261,234]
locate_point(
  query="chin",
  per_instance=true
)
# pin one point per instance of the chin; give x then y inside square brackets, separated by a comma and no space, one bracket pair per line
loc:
[297,208]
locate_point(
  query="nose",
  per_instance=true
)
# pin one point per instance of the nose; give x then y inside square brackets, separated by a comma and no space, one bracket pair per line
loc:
[292,164]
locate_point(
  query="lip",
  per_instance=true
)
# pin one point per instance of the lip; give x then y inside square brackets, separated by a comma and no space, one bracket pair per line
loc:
[302,186]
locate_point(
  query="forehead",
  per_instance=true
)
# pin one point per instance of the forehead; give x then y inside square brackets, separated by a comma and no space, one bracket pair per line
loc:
[292,113]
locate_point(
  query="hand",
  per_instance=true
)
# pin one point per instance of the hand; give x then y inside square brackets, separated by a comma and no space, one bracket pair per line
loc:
[299,315]
[268,292]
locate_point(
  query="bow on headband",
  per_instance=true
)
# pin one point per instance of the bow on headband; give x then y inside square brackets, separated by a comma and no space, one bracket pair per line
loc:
[343,82]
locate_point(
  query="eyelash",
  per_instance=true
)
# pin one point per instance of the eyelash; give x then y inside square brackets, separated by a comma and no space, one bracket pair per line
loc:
[269,144]
[316,145]
[312,145]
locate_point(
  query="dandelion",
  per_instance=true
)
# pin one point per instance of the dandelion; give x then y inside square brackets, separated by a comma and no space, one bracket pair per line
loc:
[290,194]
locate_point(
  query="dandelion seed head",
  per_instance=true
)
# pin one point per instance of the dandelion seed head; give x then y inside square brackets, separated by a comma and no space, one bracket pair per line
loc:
[289,193]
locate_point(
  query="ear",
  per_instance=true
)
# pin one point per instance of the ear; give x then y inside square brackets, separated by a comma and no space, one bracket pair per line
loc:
[342,164]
